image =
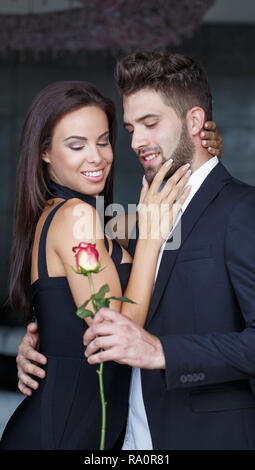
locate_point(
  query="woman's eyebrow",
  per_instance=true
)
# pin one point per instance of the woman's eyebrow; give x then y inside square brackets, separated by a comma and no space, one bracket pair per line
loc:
[80,137]
[75,137]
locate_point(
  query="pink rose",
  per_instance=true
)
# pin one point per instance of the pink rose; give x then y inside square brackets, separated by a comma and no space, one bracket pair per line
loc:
[87,258]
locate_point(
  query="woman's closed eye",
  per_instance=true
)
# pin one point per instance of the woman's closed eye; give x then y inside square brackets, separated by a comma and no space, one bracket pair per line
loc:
[76,145]
[80,147]
[103,144]
[77,148]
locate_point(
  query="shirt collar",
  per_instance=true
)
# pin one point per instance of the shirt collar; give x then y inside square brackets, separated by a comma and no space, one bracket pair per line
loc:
[197,178]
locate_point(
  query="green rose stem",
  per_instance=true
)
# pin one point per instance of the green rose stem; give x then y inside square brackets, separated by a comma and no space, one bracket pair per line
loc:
[87,262]
[100,375]
[103,403]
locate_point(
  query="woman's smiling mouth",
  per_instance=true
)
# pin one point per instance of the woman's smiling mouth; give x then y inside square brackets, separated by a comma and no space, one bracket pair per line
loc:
[95,175]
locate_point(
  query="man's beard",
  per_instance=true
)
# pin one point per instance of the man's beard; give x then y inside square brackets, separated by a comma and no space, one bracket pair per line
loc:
[181,155]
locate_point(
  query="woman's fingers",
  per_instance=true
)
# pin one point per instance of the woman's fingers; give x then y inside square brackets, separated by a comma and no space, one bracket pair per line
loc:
[174,189]
[211,140]
[210,143]
[210,125]
[176,182]
[159,177]
[174,195]
[215,152]
[144,190]
[208,135]
[156,214]
[180,201]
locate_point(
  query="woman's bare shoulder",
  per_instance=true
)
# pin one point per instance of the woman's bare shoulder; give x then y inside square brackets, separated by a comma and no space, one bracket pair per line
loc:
[79,220]
[72,210]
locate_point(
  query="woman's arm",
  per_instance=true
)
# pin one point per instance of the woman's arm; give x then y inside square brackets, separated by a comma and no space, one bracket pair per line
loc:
[75,223]
[72,226]
[121,226]
[79,222]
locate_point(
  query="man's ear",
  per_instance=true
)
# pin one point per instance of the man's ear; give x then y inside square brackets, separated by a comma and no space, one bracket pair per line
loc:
[195,119]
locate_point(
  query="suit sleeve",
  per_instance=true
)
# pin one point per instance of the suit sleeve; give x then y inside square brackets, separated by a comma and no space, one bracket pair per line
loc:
[193,360]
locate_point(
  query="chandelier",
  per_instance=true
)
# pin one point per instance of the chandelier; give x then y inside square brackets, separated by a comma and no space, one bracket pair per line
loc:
[111,26]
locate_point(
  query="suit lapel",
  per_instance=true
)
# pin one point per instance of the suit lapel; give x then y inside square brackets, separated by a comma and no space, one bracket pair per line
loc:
[209,189]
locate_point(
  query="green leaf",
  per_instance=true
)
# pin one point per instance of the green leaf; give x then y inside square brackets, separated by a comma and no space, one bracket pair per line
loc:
[85,303]
[105,303]
[101,303]
[101,293]
[99,300]
[84,313]
[123,299]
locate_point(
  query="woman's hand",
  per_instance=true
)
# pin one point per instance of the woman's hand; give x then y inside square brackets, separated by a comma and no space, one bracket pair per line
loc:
[211,140]
[26,358]
[157,210]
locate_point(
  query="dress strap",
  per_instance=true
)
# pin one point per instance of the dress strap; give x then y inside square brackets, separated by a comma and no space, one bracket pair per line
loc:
[42,265]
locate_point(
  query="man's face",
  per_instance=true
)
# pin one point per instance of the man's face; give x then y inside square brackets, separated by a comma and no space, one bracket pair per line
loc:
[158,134]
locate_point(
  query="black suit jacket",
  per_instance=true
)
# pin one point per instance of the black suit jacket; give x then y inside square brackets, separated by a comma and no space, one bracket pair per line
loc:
[203,311]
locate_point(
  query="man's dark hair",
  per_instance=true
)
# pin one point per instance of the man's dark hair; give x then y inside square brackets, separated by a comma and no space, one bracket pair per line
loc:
[182,82]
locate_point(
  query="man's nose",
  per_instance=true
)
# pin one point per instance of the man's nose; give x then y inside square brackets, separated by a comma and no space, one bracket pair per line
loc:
[139,141]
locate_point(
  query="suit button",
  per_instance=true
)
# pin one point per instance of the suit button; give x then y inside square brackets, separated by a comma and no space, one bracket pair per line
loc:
[189,378]
[183,379]
[201,376]
[195,377]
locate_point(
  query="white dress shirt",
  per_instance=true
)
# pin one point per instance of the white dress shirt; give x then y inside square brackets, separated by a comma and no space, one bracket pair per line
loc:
[138,435]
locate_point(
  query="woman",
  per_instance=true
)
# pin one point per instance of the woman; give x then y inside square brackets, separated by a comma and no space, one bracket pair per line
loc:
[66,161]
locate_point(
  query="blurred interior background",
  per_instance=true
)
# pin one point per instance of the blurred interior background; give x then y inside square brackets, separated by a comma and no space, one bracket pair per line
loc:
[42,41]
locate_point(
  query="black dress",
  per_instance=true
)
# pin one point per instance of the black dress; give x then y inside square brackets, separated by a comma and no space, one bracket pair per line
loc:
[65,411]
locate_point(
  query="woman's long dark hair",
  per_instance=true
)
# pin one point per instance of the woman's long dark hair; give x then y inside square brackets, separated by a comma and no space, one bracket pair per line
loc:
[32,191]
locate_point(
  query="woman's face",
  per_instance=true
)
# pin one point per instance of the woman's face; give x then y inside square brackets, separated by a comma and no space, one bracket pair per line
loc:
[80,155]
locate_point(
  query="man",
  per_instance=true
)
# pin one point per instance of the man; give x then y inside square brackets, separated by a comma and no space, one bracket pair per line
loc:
[194,362]
[196,354]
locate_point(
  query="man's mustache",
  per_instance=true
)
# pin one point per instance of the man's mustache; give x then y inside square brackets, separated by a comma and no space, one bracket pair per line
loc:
[147,150]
